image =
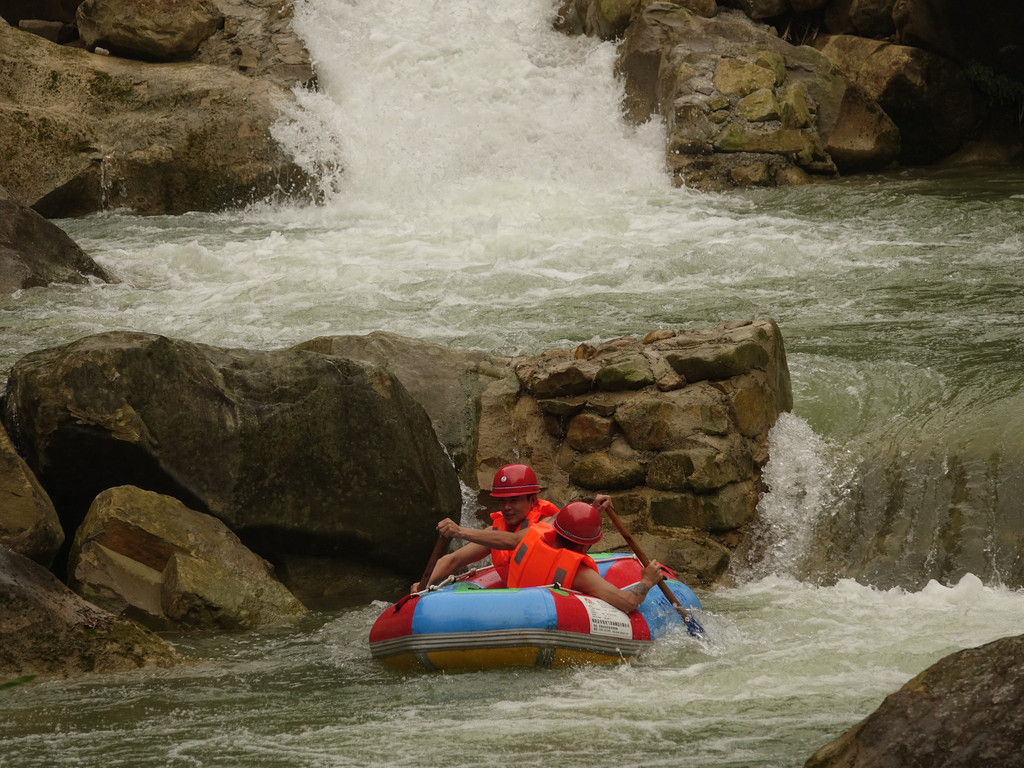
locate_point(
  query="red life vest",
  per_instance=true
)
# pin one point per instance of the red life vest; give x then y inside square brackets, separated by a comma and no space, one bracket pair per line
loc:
[501,557]
[537,562]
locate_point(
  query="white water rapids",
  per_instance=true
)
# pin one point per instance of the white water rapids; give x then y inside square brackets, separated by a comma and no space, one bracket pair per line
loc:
[492,197]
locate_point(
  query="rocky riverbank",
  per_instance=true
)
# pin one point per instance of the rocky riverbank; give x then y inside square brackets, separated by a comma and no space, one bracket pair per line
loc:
[188,486]
[172,110]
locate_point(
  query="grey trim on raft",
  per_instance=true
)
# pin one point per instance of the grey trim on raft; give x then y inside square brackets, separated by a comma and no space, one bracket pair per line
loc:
[420,645]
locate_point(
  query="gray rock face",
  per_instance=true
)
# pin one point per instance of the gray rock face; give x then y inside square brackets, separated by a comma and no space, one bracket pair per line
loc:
[447,382]
[674,427]
[296,452]
[962,712]
[46,629]
[927,97]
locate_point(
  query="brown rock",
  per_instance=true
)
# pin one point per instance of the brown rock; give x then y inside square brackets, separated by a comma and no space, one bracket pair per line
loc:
[148,556]
[34,252]
[601,472]
[46,629]
[29,524]
[589,432]
[148,30]
[81,133]
[962,712]
[294,451]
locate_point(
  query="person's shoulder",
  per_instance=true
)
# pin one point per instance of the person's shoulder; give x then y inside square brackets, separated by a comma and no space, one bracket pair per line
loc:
[546,507]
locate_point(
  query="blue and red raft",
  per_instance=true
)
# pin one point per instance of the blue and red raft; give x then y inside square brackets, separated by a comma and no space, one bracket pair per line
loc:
[474,624]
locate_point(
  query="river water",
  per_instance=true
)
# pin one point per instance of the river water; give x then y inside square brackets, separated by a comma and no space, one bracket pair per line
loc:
[492,198]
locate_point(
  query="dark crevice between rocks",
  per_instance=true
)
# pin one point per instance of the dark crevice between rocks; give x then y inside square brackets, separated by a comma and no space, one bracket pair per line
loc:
[83,461]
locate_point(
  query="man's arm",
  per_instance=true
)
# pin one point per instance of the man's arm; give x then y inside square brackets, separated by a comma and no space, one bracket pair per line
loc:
[626,600]
[451,562]
[487,537]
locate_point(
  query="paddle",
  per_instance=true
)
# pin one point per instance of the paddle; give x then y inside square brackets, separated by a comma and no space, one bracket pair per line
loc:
[439,548]
[695,629]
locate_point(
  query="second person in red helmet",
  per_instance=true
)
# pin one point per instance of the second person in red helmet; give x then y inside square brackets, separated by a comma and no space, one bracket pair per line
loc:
[557,553]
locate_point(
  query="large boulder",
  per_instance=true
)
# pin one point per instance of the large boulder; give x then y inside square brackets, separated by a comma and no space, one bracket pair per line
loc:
[674,427]
[928,97]
[867,18]
[28,522]
[989,34]
[296,452]
[962,712]
[34,252]
[743,107]
[447,382]
[258,39]
[153,559]
[81,132]
[150,30]
[48,630]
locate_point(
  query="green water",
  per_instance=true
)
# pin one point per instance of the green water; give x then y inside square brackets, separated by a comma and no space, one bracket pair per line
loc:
[493,199]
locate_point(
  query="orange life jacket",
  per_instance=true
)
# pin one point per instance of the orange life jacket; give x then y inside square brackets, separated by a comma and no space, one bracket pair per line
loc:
[501,557]
[537,562]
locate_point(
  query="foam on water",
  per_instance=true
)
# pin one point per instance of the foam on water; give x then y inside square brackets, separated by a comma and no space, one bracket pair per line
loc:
[786,666]
[427,106]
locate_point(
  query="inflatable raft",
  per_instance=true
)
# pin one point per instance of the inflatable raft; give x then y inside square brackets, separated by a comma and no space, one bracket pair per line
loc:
[475,624]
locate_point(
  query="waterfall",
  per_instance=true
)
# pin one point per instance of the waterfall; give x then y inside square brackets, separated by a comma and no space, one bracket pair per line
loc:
[431,102]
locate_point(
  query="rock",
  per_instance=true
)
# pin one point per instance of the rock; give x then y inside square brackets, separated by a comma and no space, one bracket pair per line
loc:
[29,524]
[867,18]
[609,19]
[599,471]
[656,421]
[741,106]
[14,11]
[683,462]
[149,557]
[296,452]
[54,31]
[628,371]
[708,465]
[447,382]
[927,97]
[258,39]
[865,138]
[760,9]
[590,432]
[80,133]
[962,712]
[991,35]
[268,441]
[556,374]
[34,252]
[148,30]
[46,629]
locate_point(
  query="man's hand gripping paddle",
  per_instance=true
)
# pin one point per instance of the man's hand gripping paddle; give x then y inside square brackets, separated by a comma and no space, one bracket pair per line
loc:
[692,627]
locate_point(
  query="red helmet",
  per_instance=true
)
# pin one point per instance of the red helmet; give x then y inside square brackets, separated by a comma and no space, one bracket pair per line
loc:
[514,480]
[580,522]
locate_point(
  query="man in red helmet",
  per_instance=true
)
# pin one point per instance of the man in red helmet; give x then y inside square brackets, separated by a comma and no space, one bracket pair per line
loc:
[558,553]
[517,488]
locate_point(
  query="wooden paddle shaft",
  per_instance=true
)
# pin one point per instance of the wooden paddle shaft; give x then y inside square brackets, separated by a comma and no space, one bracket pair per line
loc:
[644,561]
[439,548]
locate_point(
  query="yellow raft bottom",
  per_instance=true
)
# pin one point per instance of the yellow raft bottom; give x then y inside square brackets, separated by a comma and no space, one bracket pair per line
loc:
[492,658]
